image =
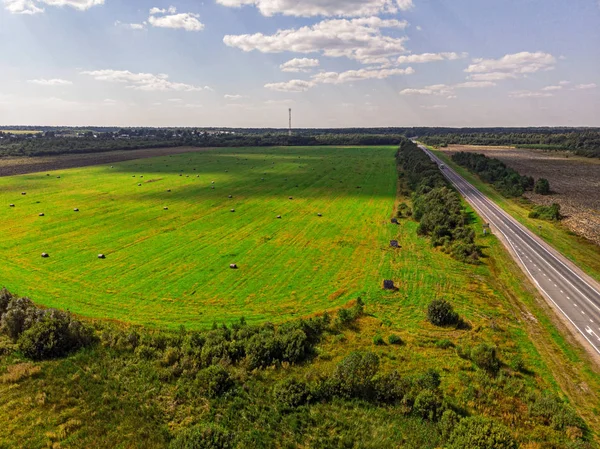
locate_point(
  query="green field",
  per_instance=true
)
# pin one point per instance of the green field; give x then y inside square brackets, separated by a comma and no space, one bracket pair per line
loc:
[171,267]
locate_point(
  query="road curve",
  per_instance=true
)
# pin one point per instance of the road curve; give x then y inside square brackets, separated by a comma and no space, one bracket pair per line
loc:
[571,292]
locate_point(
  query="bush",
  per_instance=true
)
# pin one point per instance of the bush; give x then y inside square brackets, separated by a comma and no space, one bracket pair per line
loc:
[441,313]
[555,413]
[448,422]
[485,357]
[444,343]
[291,393]
[550,213]
[214,381]
[208,436]
[378,340]
[427,406]
[53,336]
[19,315]
[542,187]
[354,375]
[393,339]
[481,433]
[5,298]
[429,380]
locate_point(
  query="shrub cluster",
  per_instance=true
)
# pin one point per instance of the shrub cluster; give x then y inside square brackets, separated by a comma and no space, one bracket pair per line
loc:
[40,333]
[483,355]
[437,207]
[550,213]
[506,180]
[542,187]
[441,313]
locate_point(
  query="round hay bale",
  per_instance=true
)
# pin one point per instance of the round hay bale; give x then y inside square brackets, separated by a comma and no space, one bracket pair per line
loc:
[278,216]
[232,210]
[213,187]
[23,193]
[388,285]
[233,266]
[47,174]
[394,220]
[169,190]
[58,177]
[165,208]
[230,196]
[291,197]
[45,255]
[319,215]
[76,210]
[133,176]
[180,174]
[262,179]
[141,176]
[213,182]
[12,205]
[42,214]
[101,256]
[139,185]
[112,166]
[197,176]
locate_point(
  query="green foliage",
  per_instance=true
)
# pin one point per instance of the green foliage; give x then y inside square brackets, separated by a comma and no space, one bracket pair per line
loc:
[378,340]
[208,436]
[448,422]
[441,313]
[553,412]
[505,179]
[292,393]
[485,357]
[214,381]
[428,405]
[542,187]
[444,343]
[550,213]
[481,433]
[437,207]
[394,339]
[429,380]
[41,333]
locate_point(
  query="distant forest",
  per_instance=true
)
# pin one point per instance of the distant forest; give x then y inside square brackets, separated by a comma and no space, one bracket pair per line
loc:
[60,140]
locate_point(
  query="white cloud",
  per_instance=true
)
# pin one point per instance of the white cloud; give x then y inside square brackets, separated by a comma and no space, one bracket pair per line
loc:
[291,86]
[233,97]
[430,57]
[492,76]
[50,82]
[358,75]
[279,102]
[171,10]
[474,84]
[359,39]
[34,6]
[586,86]
[311,8]
[530,94]
[517,64]
[142,81]
[22,7]
[192,106]
[185,21]
[551,88]
[175,100]
[435,106]
[445,89]
[564,83]
[131,26]
[299,65]
[419,28]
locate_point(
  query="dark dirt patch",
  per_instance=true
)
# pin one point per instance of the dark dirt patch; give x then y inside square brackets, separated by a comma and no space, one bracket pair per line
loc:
[11,166]
[575,182]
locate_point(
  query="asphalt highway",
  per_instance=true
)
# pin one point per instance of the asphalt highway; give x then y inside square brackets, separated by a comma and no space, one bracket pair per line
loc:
[571,292]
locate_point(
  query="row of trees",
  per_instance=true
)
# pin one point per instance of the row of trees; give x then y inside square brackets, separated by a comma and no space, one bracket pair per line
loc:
[436,206]
[584,142]
[505,179]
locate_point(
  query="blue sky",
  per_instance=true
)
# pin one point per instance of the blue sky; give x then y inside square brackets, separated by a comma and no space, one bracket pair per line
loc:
[337,63]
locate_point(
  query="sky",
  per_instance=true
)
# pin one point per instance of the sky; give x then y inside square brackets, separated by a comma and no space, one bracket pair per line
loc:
[336,63]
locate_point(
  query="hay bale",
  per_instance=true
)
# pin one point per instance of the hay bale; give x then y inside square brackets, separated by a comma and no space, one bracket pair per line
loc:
[169,190]
[23,193]
[319,215]
[394,244]
[232,210]
[12,205]
[291,197]
[58,177]
[139,185]
[213,182]
[230,196]
[213,187]
[233,266]
[133,176]
[76,210]
[180,174]
[394,220]
[101,256]
[165,208]
[141,176]
[42,214]
[278,216]
[45,255]
[388,285]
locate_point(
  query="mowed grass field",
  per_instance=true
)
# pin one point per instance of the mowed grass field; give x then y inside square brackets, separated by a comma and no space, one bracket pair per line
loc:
[171,267]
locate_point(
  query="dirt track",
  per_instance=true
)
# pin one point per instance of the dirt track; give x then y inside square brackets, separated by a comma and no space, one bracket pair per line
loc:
[574,180]
[10,166]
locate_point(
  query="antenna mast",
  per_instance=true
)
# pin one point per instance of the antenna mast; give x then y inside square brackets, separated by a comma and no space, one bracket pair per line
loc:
[290,131]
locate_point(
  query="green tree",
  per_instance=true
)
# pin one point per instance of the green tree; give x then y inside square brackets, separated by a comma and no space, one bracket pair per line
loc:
[481,433]
[542,187]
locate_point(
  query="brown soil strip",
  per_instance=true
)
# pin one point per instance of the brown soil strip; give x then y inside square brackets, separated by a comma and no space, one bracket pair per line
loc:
[10,166]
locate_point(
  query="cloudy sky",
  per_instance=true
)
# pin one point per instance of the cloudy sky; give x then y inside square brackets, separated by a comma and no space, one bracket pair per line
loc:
[337,63]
